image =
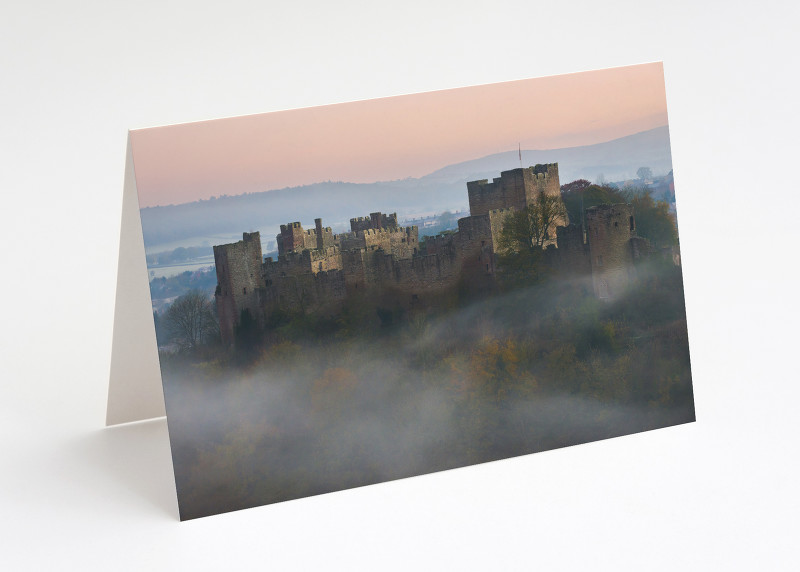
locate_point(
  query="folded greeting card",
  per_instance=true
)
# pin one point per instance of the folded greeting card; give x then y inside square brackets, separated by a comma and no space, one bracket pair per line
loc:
[344,295]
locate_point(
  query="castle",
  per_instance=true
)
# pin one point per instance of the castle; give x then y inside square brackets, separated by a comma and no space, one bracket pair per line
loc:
[316,270]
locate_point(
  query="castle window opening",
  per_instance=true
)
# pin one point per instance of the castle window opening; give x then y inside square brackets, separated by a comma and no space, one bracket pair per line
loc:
[599,260]
[244,290]
[631,221]
[487,268]
[616,224]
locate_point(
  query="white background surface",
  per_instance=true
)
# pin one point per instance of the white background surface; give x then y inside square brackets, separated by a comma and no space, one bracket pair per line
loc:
[717,494]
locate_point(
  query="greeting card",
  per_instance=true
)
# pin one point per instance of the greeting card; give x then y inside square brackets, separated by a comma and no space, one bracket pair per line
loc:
[344,295]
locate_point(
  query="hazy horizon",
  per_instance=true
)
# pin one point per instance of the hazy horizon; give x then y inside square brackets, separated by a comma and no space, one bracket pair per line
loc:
[436,170]
[393,138]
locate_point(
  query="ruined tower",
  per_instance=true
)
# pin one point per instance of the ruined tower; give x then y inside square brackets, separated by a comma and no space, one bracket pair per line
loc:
[320,238]
[609,232]
[239,284]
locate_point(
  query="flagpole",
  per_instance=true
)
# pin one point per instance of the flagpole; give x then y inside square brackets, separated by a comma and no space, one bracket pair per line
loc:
[519,148]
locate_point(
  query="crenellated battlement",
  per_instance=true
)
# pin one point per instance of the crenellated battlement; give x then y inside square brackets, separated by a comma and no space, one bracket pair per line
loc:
[291,225]
[544,170]
[381,231]
[376,220]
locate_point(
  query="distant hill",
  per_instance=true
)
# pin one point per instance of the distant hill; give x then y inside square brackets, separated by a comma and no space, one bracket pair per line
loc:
[615,160]
[444,189]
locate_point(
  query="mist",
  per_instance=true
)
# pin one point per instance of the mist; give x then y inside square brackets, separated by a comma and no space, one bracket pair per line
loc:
[524,372]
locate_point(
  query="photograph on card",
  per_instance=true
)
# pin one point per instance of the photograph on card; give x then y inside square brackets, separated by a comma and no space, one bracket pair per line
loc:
[360,292]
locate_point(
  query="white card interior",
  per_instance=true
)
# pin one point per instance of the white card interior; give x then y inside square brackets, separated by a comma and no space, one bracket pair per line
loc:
[134,390]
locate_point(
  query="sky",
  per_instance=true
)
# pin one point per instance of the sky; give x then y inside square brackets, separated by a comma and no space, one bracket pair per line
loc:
[394,137]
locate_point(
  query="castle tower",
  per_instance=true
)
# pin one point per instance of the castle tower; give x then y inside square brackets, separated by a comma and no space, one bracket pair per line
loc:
[238,268]
[516,188]
[609,230]
[320,238]
[291,238]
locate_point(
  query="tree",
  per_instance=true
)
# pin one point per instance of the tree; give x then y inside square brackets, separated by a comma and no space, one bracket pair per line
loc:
[575,186]
[644,173]
[523,236]
[535,225]
[578,197]
[653,220]
[190,320]
[446,220]
[162,335]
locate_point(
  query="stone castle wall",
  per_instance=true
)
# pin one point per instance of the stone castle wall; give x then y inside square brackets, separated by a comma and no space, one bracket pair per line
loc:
[440,244]
[354,263]
[503,192]
[350,240]
[304,292]
[402,242]
[573,252]
[302,262]
[422,275]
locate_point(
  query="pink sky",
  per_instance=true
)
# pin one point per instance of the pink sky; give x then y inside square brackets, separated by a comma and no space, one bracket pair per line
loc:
[393,137]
